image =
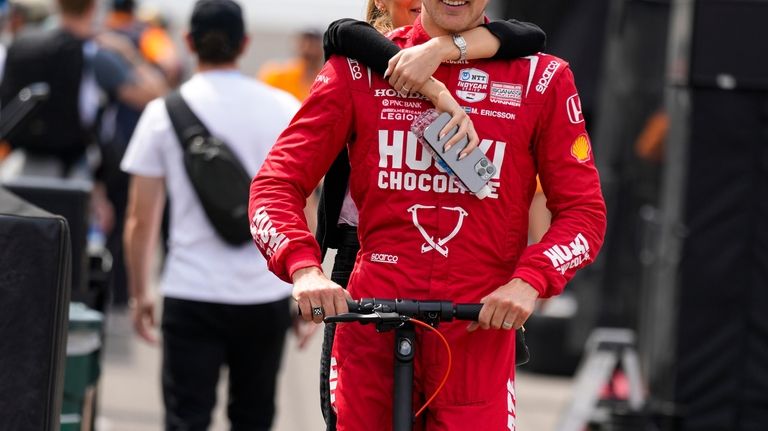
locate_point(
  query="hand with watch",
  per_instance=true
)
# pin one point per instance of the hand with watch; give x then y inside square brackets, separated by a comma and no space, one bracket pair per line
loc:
[411,68]
[461,44]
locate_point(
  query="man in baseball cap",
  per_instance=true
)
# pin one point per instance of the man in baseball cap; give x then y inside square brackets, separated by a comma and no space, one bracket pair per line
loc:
[217,24]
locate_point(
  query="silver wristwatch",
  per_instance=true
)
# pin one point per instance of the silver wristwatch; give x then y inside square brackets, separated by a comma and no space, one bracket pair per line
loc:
[460,43]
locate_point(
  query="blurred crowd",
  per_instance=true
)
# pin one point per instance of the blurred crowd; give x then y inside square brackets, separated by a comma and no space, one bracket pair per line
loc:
[106,73]
[130,57]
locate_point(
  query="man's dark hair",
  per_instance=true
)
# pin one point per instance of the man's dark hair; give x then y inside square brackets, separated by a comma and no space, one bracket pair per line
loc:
[216,47]
[311,33]
[218,30]
[75,7]
[123,5]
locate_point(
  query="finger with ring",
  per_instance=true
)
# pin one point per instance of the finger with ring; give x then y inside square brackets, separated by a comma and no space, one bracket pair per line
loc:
[507,325]
[317,311]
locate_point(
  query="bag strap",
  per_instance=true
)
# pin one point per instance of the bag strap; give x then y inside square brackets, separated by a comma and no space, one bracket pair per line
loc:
[185,123]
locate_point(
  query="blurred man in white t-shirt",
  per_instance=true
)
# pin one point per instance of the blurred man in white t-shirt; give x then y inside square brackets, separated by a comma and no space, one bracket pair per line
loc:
[221,305]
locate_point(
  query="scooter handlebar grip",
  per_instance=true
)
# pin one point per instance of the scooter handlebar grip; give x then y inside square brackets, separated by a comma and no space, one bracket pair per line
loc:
[353,306]
[467,311]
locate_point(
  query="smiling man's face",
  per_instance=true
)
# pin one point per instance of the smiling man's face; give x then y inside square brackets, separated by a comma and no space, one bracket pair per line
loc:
[452,16]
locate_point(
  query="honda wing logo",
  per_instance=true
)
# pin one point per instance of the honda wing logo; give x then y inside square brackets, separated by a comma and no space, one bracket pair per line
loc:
[439,245]
[575,113]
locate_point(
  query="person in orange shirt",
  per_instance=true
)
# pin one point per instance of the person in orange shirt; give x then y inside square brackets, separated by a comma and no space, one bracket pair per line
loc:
[297,75]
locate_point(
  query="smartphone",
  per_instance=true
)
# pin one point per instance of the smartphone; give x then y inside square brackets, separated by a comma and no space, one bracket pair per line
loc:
[474,171]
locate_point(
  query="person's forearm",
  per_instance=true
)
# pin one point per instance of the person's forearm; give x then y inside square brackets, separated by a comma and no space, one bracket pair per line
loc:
[517,39]
[140,241]
[279,190]
[497,39]
[432,90]
[359,40]
[148,85]
[480,44]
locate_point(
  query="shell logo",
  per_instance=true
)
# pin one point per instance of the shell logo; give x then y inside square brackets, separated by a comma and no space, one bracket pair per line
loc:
[580,149]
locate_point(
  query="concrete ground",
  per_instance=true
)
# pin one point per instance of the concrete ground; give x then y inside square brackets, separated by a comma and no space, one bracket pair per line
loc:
[130,391]
[130,400]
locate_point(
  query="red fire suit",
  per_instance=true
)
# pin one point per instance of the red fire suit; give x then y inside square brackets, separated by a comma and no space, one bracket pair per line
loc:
[422,236]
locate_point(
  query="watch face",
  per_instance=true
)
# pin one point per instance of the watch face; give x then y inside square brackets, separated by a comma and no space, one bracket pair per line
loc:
[460,43]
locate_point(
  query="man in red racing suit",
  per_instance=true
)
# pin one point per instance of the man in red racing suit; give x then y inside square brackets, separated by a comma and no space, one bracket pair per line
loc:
[422,236]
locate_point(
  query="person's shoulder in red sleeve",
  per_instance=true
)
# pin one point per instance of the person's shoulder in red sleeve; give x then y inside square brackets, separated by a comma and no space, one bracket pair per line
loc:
[568,177]
[296,164]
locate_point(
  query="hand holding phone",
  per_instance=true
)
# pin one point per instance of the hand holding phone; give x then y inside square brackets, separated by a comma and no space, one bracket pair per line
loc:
[474,171]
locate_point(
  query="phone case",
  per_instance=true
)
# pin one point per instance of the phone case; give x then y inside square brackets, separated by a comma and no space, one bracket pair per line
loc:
[474,171]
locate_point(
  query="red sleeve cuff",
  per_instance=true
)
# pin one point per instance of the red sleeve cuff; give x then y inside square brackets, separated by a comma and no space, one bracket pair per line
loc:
[299,260]
[533,277]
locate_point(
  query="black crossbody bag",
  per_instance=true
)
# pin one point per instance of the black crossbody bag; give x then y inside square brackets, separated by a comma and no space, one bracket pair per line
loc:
[219,179]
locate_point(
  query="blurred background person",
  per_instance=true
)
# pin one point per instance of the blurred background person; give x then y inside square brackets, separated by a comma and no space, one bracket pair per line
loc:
[17,16]
[148,36]
[296,75]
[221,306]
[78,70]
[149,44]
[26,15]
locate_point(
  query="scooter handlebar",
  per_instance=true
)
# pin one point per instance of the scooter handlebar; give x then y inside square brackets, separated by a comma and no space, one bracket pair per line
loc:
[427,310]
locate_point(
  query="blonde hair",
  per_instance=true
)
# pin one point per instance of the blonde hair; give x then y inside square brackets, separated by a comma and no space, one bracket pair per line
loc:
[381,20]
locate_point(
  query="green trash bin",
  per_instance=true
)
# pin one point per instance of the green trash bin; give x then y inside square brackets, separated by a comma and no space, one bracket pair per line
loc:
[82,368]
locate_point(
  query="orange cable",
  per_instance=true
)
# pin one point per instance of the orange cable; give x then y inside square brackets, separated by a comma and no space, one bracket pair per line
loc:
[447,371]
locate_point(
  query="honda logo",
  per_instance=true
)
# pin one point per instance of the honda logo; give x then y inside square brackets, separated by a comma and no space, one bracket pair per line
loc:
[574,109]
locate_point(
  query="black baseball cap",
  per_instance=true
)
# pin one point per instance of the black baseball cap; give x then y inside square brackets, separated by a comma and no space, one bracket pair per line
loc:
[222,16]
[124,5]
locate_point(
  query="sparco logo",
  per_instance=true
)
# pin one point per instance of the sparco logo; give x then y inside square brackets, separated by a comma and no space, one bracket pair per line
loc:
[546,77]
[571,256]
[384,258]
[354,68]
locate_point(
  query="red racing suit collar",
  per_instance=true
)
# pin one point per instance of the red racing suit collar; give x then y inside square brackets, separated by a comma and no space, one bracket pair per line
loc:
[415,34]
